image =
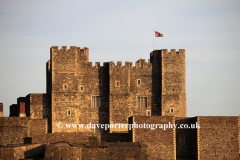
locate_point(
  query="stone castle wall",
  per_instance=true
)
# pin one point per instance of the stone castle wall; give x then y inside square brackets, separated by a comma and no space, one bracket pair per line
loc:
[218,138]
[71,137]
[116,153]
[14,129]
[186,138]
[37,104]
[160,142]
[21,151]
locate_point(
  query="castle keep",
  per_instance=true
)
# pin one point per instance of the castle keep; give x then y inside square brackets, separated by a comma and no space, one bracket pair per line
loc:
[152,92]
[109,94]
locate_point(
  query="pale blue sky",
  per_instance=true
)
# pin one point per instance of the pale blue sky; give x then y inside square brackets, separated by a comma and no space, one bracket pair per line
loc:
[209,31]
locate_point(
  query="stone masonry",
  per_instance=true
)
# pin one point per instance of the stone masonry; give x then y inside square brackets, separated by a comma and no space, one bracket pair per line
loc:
[82,93]
[152,92]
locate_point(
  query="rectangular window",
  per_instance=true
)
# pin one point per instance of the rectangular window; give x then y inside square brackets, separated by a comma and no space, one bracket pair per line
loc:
[65,87]
[96,101]
[138,102]
[139,82]
[148,113]
[117,83]
[97,129]
[171,109]
[81,87]
[68,112]
[141,102]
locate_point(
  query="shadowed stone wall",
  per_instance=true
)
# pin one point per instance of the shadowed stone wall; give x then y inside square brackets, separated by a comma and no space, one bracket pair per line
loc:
[186,138]
[14,129]
[160,142]
[21,151]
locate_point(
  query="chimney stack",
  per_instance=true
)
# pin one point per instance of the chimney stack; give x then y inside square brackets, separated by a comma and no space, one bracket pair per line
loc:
[1,109]
[22,109]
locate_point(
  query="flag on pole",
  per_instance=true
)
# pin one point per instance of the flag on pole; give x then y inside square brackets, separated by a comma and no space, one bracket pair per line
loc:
[157,34]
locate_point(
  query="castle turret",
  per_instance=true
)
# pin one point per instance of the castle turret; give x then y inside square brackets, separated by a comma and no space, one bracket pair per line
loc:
[68,76]
[170,92]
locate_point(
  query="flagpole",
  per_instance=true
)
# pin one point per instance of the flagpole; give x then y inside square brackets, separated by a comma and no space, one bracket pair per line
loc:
[153,39]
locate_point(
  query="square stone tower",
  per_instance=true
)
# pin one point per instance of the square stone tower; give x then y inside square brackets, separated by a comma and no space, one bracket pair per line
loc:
[169,81]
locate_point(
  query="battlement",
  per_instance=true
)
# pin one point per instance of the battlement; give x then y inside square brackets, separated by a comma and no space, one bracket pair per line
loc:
[119,64]
[174,52]
[157,55]
[142,64]
[64,53]
[97,64]
[139,64]
[72,48]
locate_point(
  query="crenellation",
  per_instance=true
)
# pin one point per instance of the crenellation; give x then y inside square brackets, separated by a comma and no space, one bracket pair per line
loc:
[182,52]
[111,63]
[54,48]
[141,61]
[64,48]
[164,51]
[145,65]
[137,65]
[73,48]
[86,50]
[97,64]
[78,49]
[119,63]
[142,64]
[173,51]
[128,64]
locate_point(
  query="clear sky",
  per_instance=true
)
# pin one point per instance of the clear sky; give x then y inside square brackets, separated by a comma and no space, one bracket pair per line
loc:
[122,30]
